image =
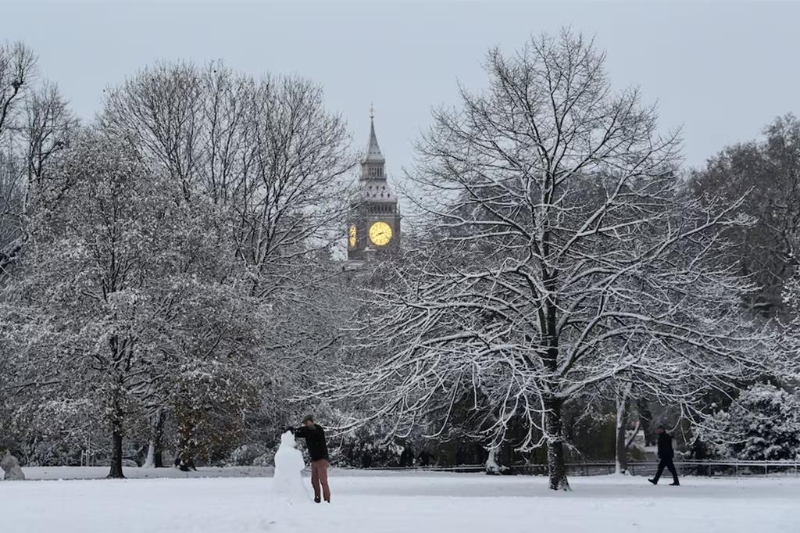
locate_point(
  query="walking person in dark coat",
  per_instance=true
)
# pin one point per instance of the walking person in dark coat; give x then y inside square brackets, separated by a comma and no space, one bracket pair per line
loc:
[665,454]
[318,451]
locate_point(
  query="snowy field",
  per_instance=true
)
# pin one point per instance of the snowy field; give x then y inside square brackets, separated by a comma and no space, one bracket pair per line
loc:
[392,502]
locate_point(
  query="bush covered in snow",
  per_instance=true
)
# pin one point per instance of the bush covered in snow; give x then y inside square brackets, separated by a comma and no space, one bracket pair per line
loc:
[763,423]
[364,451]
[246,455]
[266,459]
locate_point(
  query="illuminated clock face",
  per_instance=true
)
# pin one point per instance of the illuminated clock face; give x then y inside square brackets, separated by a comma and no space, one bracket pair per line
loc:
[380,233]
[352,239]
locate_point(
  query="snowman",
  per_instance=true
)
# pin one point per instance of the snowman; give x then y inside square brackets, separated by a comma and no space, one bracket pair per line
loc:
[288,481]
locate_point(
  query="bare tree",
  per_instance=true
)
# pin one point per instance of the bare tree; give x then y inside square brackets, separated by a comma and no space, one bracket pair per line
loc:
[35,124]
[561,254]
[767,174]
[49,126]
[12,199]
[265,152]
[17,68]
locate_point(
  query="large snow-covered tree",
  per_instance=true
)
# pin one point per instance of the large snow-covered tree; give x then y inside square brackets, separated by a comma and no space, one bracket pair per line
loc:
[86,277]
[561,253]
[269,165]
[120,296]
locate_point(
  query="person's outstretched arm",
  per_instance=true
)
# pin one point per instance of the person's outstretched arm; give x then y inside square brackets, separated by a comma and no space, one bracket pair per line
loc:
[305,431]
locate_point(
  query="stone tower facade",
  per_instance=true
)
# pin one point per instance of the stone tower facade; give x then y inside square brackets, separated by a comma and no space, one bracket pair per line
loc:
[374,222]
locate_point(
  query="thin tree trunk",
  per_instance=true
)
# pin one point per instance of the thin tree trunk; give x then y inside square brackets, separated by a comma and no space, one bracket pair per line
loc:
[556,465]
[491,462]
[646,421]
[158,461]
[633,435]
[186,450]
[149,462]
[622,452]
[622,423]
[158,440]
[155,454]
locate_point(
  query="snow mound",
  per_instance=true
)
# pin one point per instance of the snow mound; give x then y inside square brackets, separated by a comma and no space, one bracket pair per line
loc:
[289,464]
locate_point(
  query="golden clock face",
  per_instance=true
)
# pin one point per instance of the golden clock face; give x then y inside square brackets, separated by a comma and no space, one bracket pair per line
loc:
[380,233]
[352,239]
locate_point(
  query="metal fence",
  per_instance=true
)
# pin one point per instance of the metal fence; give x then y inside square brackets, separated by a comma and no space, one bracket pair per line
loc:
[692,468]
[641,468]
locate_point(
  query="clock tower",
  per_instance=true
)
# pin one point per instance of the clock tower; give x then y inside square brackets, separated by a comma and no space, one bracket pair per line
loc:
[374,221]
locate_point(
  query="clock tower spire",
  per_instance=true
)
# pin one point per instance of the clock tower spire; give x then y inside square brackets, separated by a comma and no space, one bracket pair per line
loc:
[374,225]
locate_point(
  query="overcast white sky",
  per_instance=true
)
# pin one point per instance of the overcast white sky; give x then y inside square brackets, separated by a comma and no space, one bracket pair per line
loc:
[720,70]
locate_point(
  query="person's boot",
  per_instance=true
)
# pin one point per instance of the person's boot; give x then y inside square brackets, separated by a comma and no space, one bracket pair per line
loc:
[675,483]
[653,481]
[317,499]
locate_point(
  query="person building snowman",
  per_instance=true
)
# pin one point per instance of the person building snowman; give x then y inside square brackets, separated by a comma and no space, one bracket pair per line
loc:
[318,451]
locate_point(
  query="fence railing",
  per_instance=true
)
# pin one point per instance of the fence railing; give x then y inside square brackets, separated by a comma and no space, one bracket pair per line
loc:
[638,468]
[695,468]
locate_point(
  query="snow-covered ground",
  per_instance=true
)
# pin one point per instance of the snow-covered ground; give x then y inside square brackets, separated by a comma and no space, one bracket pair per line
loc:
[396,502]
[53,473]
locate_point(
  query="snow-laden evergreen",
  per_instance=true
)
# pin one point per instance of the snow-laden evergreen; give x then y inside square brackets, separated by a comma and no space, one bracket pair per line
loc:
[762,424]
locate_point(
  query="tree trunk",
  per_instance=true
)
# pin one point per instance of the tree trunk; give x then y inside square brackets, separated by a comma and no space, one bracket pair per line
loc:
[646,421]
[554,424]
[116,439]
[186,449]
[149,462]
[555,446]
[159,457]
[116,453]
[158,439]
[155,452]
[622,423]
[492,467]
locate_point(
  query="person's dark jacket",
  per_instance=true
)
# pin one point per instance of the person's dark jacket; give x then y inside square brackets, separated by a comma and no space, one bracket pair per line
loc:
[665,450]
[315,441]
